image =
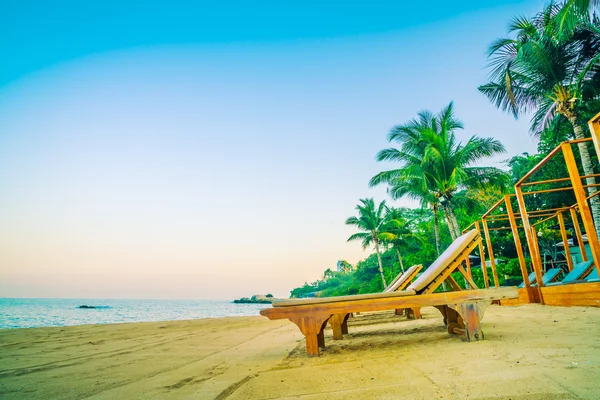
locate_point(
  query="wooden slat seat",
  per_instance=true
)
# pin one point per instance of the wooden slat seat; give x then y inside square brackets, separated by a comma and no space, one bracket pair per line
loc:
[401,281]
[337,299]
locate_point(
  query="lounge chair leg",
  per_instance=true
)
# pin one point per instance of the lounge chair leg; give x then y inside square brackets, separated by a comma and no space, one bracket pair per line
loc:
[321,339]
[312,329]
[339,325]
[345,324]
[471,315]
[451,318]
[312,345]
[413,313]
[336,325]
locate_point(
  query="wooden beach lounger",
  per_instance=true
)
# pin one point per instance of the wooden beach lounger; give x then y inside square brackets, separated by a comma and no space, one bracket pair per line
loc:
[577,274]
[398,284]
[403,279]
[550,276]
[462,310]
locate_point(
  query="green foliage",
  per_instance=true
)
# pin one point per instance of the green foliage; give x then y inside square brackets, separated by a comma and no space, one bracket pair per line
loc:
[546,68]
[510,268]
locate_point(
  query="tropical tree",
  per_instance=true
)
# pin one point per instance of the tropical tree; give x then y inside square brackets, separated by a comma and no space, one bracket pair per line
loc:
[550,66]
[371,220]
[434,165]
[345,266]
[400,228]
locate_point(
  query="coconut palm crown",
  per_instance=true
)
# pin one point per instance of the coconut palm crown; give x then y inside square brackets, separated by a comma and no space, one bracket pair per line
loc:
[400,228]
[435,165]
[371,220]
[550,66]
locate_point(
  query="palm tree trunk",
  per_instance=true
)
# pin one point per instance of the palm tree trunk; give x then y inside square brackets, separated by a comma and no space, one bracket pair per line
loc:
[588,169]
[458,233]
[380,265]
[400,259]
[452,234]
[457,230]
[436,228]
[449,221]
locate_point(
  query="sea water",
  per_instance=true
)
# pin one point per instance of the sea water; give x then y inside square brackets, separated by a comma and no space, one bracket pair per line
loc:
[31,313]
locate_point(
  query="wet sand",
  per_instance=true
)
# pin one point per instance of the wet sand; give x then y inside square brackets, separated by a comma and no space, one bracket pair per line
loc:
[530,352]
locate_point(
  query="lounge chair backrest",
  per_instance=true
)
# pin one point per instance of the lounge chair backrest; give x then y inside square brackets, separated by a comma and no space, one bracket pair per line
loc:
[396,279]
[453,252]
[593,276]
[578,272]
[532,279]
[551,275]
[400,280]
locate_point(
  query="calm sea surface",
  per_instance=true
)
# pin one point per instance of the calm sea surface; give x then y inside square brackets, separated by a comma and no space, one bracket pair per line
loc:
[30,313]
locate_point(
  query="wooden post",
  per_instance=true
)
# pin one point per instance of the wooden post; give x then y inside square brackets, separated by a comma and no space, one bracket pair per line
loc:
[528,232]
[594,125]
[482,258]
[469,267]
[563,234]
[490,252]
[578,234]
[538,267]
[584,208]
[515,231]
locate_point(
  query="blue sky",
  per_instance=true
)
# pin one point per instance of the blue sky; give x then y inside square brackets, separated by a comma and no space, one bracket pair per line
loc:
[182,149]
[38,34]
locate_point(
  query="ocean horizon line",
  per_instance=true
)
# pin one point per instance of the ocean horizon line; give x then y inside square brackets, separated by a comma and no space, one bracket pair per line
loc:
[47,312]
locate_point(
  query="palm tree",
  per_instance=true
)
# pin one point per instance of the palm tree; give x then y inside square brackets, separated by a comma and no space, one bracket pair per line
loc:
[399,227]
[370,220]
[415,189]
[434,164]
[550,67]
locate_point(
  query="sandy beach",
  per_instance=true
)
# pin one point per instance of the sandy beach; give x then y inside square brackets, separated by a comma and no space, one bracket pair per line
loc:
[530,352]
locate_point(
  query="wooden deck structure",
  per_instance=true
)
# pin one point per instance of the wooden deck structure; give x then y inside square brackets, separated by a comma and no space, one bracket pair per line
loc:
[587,294]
